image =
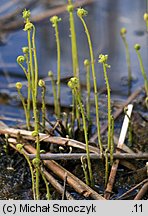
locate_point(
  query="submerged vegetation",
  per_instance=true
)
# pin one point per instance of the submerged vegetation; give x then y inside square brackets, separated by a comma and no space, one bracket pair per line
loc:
[77,124]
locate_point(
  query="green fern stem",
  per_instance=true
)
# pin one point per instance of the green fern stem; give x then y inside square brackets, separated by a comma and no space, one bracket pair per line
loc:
[142,71]
[70,9]
[95,83]
[29,89]
[25,108]
[109,105]
[112,140]
[50,74]
[35,62]
[74,85]
[46,184]
[87,66]
[84,166]
[123,32]
[20,149]
[32,175]
[106,166]
[43,86]
[55,21]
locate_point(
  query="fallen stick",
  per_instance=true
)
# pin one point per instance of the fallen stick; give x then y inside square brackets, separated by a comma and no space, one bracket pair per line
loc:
[57,185]
[47,138]
[118,112]
[55,140]
[133,188]
[125,148]
[59,141]
[78,185]
[122,137]
[77,156]
[51,179]
[142,192]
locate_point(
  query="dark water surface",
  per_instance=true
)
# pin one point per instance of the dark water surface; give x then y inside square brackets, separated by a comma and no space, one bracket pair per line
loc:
[105,19]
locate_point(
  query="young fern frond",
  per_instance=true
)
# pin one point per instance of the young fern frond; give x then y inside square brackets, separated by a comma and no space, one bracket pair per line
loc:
[81,13]
[87,66]
[103,60]
[55,20]
[20,149]
[30,29]
[43,86]
[74,85]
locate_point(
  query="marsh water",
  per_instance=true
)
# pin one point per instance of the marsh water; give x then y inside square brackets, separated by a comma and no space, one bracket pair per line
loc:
[105,19]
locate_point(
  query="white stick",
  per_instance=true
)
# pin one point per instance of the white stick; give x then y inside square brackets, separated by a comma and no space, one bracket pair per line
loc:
[125,126]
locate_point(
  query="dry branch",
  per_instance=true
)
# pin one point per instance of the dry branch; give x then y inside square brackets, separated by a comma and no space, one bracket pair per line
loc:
[50,178]
[77,156]
[120,144]
[78,185]
[133,188]
[142,192]
[57,185]
[47,138]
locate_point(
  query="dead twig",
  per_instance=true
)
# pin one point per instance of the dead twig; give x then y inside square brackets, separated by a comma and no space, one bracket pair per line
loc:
[77,156]
[64,191]
[51,179]
[57,185]
[47,138]
[120,143]
[125,148]
[142,192]
[133,188]
[72,180]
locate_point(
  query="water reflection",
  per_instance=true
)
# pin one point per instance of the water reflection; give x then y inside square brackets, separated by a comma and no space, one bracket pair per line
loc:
[104,22]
